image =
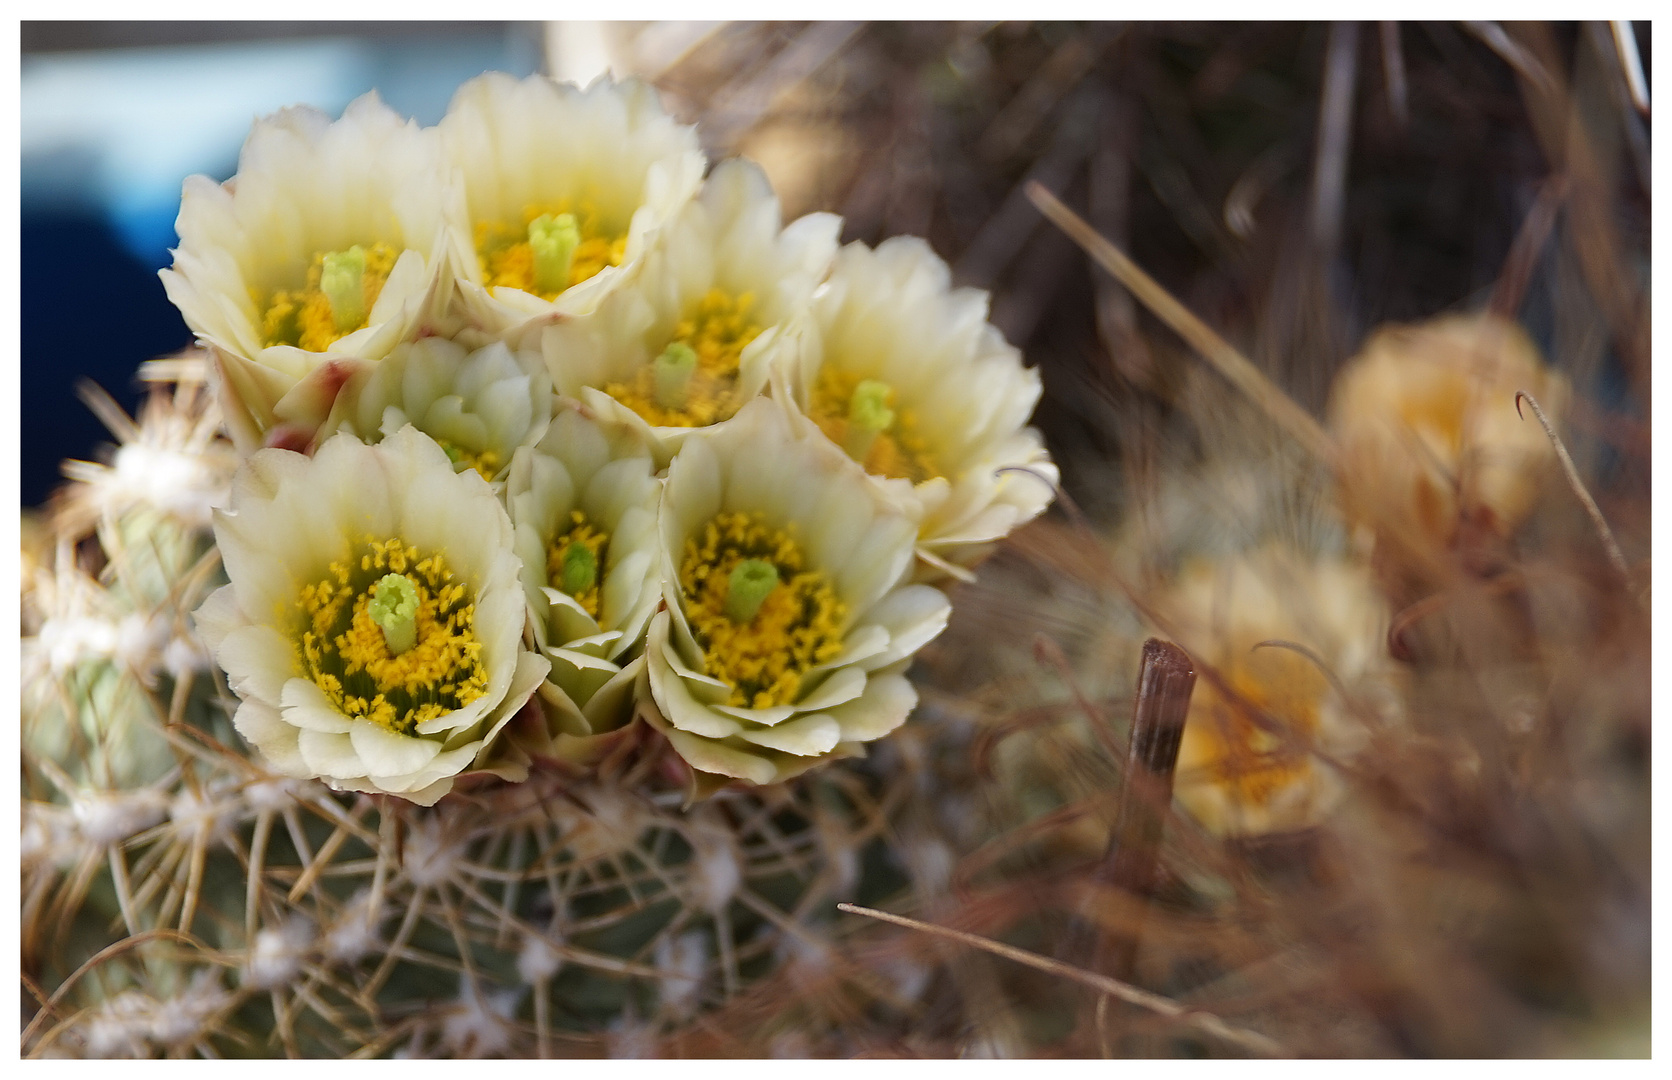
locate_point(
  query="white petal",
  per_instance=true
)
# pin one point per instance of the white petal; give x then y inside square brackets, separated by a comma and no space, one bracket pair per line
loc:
[804,736]
[682,710]
[329,755]
[887,701]
[715,757]
[913,616]
[845,684]
[258,661]
[305,705]
[277,740]
[388,754]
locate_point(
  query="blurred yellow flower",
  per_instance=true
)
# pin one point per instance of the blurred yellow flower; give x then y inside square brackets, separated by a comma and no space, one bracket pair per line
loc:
[1428,434]
[1247,764]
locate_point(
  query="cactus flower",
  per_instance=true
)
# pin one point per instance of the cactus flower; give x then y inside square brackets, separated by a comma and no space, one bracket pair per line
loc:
[373,623]
[789,621]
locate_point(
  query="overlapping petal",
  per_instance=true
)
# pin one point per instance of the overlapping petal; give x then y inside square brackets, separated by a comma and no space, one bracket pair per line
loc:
[479,406]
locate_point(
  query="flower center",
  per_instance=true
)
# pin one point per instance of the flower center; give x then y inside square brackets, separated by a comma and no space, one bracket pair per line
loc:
[551,249]
[862,417]
[574,558]
[1256,764]
[486,461]
[760,619]
[389,638]
[693,382]
[341,288]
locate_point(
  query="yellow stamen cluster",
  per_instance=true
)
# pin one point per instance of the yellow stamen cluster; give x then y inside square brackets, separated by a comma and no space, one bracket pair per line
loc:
[899,450]
[797,626]
[1252,763]
[342,650]
[507,256]
[303,317]
[718,328]
[580,532]
[486,462]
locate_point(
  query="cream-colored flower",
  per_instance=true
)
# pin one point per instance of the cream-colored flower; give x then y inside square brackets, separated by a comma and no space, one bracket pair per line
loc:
[1428,434]
[583,502]
[325,250]
[788,622]
[564,191]
[720,303]
[1236,774]
[910,379]
[479,406]
[374,619]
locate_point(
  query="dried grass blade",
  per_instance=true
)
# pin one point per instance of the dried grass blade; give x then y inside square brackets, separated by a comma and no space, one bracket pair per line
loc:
[1251,1041]
[1606,534]
[1236,368]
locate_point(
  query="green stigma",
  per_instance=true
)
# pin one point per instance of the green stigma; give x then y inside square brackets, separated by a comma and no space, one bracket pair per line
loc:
[394,608]
[580,569]
[868,417]
[454,454]
[553,241]
[752,581]
[673,370]
[342,280]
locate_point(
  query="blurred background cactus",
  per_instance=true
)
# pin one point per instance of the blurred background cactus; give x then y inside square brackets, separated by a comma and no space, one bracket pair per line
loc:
[1475,881]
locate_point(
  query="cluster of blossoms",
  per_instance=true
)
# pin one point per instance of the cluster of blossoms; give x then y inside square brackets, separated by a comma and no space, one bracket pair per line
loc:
[547,433]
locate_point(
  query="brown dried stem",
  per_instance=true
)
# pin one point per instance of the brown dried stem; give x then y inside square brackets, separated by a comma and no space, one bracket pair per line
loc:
[1165,681]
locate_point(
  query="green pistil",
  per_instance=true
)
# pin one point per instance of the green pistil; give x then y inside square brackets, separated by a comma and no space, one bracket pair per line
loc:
[752,581]
[453,453]
[674,369]
[342,280]
[394,608]
[868,417]
[553,241]
[580,569]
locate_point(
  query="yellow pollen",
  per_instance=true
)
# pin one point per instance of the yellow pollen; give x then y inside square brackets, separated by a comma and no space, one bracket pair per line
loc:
[899,450]
[582,533]
[486,462]
[717,328]
[507,258]
[1251,763]
[341,648]
[798,625]
[303,317]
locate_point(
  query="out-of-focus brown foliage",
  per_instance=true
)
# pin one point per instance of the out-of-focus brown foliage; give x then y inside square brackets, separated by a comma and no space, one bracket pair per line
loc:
[1482,887]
